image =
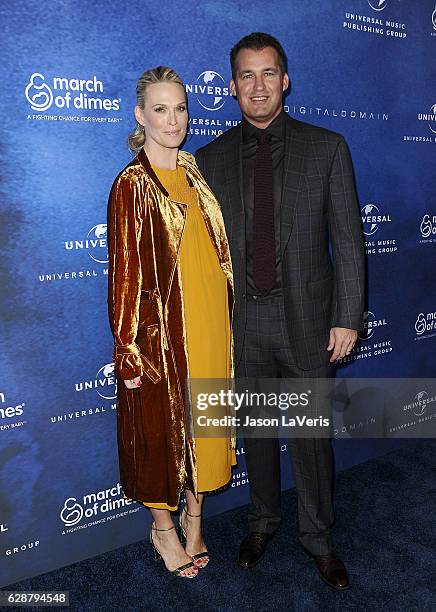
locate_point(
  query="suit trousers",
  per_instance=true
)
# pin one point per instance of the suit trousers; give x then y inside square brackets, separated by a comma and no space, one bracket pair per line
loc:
[267,353]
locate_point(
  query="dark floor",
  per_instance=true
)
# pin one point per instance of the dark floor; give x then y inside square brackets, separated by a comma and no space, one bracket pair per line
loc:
[385,533]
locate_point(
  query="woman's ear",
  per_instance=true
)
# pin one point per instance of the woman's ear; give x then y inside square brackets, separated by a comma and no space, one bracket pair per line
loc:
[139,115]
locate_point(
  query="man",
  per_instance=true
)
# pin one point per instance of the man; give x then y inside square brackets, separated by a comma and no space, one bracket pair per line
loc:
[286,189]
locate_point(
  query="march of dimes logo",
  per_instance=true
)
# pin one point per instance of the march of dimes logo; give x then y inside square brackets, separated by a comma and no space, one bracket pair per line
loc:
[377,22]
[427,229]
[425,325]
[70,94]
[11,413]
[100,507]
[376,223]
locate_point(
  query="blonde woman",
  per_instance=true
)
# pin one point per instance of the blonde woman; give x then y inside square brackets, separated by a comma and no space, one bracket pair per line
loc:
[170,306]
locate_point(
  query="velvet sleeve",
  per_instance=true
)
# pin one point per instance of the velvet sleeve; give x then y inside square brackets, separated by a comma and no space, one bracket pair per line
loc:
[126,209]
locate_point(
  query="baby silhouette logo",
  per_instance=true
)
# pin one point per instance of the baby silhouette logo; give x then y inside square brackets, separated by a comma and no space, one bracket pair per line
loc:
[38,93]
[428,226]
[420,324]
[72,512]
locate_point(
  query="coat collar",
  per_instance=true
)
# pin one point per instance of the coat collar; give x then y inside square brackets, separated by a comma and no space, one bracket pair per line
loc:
[182,160]
[209,207]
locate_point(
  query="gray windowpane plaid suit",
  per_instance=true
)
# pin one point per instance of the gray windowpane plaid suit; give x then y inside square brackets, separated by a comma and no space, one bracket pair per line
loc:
[321,289]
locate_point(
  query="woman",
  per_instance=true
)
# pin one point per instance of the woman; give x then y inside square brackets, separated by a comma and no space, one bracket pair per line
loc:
[170,305]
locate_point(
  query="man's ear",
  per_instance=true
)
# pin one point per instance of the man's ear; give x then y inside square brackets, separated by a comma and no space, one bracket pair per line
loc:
[286,81]
[232,88]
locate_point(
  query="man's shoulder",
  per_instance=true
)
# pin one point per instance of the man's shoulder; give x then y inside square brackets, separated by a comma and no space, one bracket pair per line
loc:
[314,132]
[221,143]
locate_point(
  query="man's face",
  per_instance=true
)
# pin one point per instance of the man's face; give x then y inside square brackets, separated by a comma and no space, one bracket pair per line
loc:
[259,85]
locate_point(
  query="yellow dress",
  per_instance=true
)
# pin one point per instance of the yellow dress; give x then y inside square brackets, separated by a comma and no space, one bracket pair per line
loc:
[207,322]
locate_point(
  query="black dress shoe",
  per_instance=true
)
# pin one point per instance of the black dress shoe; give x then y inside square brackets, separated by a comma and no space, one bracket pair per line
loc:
[332,570]
[252,548]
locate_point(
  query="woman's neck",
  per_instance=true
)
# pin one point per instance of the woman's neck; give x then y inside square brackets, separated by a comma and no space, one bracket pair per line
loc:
[162,157]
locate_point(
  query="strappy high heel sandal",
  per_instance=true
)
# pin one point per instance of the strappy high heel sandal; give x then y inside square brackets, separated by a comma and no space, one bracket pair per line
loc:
[203,557]
[178,571]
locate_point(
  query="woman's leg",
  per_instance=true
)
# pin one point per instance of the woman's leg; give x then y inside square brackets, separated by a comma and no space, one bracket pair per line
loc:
[168,544]
[191,522]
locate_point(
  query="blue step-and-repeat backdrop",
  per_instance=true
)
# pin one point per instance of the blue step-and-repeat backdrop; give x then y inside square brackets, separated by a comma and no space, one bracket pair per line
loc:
[365,68]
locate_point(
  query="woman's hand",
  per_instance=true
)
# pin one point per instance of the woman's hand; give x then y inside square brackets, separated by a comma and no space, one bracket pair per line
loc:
[134,383]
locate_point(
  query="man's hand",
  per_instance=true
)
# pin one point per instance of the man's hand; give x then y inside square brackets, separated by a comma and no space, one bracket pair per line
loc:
[134,383]
[341,342]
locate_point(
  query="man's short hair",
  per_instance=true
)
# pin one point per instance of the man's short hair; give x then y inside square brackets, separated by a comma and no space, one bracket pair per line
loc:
[258,41]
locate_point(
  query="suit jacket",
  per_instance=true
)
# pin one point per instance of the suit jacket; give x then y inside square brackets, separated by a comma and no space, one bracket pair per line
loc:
[145,301]
[322,289]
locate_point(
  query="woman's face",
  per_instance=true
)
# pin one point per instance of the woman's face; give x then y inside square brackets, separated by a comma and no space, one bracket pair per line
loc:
[164,116]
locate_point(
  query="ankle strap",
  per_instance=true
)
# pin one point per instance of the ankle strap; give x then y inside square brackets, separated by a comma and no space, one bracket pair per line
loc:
[195,515]
[153,526]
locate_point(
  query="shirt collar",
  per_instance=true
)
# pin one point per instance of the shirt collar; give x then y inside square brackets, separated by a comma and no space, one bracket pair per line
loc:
[276,128]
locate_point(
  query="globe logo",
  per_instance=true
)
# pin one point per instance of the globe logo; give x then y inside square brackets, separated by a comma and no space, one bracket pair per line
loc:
[369,227]
[368,318]
[72,512]
[432,126]
[96,241]
[107,382]
[421,399]
[211,90]
[378,5]
[38,94]
[433,18]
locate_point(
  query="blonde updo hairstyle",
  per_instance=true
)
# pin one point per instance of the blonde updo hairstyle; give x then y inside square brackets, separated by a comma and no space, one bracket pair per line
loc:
[160,74]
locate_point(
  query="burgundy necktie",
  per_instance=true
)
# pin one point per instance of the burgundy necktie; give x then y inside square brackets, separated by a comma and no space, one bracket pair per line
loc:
[264,250]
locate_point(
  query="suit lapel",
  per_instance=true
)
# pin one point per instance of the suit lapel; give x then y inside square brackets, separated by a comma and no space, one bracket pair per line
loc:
[234,212]
[293,178]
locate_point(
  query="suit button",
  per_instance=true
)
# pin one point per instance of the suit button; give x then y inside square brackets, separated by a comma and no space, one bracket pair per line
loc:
[244,296]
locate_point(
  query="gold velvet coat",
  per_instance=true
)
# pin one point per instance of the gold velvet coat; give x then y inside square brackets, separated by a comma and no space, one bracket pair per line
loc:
[156,453]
